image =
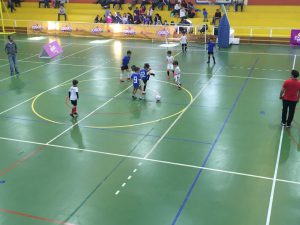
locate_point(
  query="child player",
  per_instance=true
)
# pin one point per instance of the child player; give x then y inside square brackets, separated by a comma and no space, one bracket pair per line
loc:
[136,81]
[74,96]
[177,73]
[125,63]
[170,60]
[145,76]
[183,42]
[210,50]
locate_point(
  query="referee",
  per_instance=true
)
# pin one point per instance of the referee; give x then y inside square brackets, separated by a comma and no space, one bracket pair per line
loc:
[290,96]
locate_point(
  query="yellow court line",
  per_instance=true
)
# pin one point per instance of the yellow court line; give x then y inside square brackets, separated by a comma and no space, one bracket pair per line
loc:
[115,126]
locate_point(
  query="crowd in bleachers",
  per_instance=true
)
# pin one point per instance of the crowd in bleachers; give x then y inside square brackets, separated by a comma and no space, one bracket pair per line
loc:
[145,13]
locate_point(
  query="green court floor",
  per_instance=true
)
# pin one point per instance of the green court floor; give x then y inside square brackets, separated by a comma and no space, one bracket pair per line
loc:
[213,153]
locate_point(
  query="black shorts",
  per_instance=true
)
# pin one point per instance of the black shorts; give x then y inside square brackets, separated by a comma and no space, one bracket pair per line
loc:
[210,53]
[124,67]
[74,102]
[145,80]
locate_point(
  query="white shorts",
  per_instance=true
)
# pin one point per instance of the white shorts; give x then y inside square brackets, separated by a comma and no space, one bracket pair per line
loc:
[177,78]
[170,67]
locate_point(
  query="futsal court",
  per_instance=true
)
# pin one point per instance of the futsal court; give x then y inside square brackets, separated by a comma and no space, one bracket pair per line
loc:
[213,153]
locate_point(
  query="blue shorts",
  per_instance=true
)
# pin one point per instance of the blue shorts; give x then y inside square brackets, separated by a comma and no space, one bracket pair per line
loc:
[136,86]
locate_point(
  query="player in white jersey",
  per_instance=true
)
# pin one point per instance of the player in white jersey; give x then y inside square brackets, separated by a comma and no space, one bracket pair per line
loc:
[73,97]
[183,42]
[170,60]
[177,74]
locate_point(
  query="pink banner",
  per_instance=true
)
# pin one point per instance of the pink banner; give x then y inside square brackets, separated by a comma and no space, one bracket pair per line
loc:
[295,37]
[51,50]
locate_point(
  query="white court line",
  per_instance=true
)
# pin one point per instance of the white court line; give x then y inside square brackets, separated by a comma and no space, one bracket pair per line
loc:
[21,60]
[274,179]
[176,120]
[276,168]
[294,63]
[59,147]
[88,115]
[64,57]
[27,100]
[190,50]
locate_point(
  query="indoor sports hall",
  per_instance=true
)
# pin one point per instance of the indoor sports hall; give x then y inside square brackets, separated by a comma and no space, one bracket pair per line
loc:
[210,153]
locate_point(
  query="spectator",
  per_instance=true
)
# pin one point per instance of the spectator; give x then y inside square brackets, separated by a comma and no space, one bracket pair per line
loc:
[150,11]
[105,4]
[17,3]
[289,95]
[130,18]
[55,3]
[182,14]
[136,11]
[241,4]
[183,4]
[172,4]
[176,9]
[143,10]
[136,18]
[118,18]
[148,20]
[205,15]
[157,19]
[97,19]
[107,12]
[11,51]
[124,19]
[62,2]
[160,4]
[10,5]
[203,29]
[46,4]
[118,2]
[132,4]
[109,18]
[217,16]
[166,23]
[191,13]
[154,3]
[62,11]
[144,2]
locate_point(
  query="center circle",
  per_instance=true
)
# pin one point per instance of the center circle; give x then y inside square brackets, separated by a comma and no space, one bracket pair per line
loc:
[33,107]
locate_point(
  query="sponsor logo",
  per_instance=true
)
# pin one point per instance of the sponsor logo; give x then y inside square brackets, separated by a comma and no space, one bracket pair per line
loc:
[297,38]
[163,32]
[129,31]
[97,30]
[66,29]
[37,27]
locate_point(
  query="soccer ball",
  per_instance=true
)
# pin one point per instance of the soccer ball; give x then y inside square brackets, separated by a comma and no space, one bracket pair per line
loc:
[151,73]
[157,98]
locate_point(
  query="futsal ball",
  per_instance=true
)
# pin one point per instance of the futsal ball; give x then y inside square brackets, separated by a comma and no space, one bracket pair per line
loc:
[151,72]
[157,97]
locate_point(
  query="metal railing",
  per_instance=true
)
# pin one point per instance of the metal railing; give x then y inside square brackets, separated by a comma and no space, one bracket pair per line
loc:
[241,31]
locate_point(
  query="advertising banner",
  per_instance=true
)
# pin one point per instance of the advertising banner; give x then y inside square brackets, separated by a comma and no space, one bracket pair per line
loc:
[51,50]
[295,37]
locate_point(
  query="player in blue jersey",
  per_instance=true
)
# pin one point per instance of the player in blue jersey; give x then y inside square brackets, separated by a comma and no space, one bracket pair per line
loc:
[145,75]
[125,66]
[136,81]
[210,50]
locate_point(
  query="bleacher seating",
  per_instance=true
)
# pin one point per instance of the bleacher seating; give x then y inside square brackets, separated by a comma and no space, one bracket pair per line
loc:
[253,16]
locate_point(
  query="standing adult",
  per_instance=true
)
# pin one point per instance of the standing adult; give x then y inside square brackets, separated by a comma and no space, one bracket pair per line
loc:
[62,11]
[290,96]
[11,51]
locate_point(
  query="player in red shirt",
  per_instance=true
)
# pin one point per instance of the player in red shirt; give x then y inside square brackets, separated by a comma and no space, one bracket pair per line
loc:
[289,94]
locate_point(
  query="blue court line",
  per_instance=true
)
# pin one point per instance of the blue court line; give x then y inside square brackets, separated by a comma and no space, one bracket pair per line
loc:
[214,144]
[112,130]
